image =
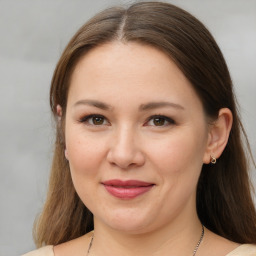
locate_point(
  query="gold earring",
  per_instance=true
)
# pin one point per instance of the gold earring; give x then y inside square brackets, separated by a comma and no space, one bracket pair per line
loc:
[213,160]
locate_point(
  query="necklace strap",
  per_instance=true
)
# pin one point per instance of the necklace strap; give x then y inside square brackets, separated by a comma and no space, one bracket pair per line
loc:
[199,242]
[90,245]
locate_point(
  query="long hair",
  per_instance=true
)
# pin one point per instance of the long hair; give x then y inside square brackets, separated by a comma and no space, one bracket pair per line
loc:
[224,199]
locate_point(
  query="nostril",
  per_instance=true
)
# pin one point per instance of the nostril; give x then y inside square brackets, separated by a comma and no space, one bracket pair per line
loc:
[124,150]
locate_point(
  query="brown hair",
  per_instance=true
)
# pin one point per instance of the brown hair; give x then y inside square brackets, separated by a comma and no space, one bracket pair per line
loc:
[224,200]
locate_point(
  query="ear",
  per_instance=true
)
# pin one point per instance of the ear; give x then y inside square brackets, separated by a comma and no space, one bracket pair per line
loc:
[59,114]
[59,111]
[218,135]
[66,154]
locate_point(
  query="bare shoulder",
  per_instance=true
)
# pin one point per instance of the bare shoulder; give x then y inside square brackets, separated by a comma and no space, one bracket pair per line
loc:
[76,247]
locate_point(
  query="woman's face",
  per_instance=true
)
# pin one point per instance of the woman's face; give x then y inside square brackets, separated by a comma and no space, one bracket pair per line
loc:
[136,137]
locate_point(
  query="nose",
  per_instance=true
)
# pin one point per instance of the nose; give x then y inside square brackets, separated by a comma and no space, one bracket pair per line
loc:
[124,151]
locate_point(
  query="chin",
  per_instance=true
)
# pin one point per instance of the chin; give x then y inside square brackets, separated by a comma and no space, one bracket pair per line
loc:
[129,224]
[130,229]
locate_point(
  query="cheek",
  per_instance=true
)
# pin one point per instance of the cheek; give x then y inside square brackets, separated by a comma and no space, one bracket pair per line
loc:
[85,160]
[178,161]
[85,153]
[178,152]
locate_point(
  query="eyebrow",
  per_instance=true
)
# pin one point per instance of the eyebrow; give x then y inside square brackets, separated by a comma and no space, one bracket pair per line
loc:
[94,103]
[154,105]
[142,107]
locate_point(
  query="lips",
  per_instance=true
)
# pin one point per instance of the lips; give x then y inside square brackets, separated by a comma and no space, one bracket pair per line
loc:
[127,189]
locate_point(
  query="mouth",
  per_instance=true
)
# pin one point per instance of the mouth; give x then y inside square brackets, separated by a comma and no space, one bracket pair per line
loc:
[127,189]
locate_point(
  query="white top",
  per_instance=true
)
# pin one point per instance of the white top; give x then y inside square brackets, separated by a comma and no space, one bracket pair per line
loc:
[44,251]
[242,250]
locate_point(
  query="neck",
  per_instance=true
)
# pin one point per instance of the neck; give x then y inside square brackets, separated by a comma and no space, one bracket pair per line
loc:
[178,238]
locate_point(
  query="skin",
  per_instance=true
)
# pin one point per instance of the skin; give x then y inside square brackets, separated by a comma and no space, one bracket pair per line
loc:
[127,140]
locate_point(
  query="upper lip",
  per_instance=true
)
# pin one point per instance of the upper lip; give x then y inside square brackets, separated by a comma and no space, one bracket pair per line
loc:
[126,183]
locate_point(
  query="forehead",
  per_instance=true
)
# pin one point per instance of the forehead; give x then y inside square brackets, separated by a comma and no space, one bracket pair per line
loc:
[135,59]
[129,69]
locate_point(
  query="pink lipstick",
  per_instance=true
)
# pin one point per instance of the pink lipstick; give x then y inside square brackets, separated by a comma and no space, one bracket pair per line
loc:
[127,189]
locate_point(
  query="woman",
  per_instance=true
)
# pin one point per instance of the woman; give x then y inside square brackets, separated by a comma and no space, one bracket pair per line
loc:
[148,156]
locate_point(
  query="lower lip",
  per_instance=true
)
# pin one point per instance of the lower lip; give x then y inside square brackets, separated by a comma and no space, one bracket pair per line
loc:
[126,192]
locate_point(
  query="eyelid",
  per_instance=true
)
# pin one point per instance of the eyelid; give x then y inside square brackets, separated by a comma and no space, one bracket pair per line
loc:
[85,119]
[166,118]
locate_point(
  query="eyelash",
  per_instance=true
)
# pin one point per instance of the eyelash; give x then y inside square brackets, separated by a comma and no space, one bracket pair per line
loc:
[167,120]
[86,119]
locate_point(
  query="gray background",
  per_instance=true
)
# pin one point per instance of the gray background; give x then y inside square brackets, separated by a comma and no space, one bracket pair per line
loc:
[33,34]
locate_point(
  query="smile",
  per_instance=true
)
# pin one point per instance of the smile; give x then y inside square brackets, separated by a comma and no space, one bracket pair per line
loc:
[127,189]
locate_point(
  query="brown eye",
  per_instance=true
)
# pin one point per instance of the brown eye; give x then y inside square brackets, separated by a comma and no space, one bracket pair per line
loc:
[94,120]
[159,121]
[97,120]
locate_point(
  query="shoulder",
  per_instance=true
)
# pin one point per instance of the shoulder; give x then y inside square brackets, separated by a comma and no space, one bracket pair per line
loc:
[217,245]
[244,250]
[44,251]
[73,247]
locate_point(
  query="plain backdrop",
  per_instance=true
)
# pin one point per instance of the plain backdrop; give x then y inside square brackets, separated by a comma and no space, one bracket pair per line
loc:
[33,34]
